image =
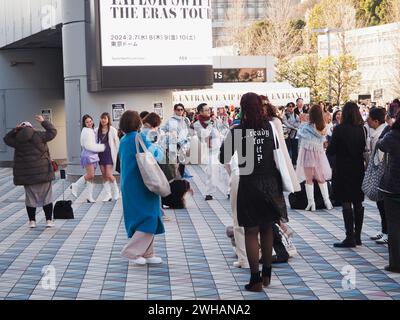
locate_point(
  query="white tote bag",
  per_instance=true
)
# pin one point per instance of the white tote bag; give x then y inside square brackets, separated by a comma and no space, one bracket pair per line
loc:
[153,177]
[281,163]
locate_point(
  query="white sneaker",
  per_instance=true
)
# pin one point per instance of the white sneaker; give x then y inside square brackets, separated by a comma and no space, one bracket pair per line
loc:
[238,264]
[154,260]
[384,240]
[32,224]
[140,261]
[50,224]
[378,236]
[292,251]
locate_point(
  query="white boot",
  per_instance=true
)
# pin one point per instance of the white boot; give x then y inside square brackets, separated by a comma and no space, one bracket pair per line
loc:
[77,185]
[107,187]
[310,197]
[115,191]
[325,195]
[90,192]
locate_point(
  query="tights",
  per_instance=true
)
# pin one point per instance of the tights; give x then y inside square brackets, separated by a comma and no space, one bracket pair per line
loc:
[348,205]
[253,246]
[48,210]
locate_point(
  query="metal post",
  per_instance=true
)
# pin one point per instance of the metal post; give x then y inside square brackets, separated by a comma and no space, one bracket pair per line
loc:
[328,33]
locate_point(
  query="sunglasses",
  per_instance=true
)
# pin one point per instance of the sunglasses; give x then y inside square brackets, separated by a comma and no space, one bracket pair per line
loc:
[179,109]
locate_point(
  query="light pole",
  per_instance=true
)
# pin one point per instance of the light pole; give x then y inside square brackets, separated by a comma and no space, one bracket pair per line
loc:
[328,32]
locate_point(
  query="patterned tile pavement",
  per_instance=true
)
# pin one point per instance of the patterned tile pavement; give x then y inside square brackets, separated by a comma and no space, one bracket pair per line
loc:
[85,254]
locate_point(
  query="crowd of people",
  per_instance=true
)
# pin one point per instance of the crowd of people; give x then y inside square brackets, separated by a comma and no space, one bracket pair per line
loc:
[253,154]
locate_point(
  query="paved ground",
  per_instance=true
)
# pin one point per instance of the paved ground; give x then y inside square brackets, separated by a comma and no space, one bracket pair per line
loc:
[85,255]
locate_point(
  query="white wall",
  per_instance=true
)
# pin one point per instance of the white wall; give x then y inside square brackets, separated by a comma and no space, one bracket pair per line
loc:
[27,89]
[22,18]
[78,100]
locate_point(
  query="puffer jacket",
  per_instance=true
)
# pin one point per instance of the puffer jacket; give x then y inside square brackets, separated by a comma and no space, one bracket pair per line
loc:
[32,162]
[390,144]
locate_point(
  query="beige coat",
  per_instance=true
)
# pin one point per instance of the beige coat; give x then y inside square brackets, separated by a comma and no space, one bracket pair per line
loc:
[282,144]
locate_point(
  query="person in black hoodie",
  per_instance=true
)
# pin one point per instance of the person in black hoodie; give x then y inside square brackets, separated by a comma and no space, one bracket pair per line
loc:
[390,187]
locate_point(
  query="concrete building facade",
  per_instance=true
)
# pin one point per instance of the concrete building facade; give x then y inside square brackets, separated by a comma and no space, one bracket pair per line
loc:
[377,52]
[44,69]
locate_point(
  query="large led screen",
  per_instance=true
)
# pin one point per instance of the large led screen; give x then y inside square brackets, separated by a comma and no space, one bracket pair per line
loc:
[154,43]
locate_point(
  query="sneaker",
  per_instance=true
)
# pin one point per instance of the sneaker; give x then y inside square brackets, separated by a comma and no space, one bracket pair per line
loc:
[383,240]
[140,261]
[154,260]
[238,264]
[280,260]
[292,251]
[50,224]
[32,224]
[209,198]
[379,236]
[166,218]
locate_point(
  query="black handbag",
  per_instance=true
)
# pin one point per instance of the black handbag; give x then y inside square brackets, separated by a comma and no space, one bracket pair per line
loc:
[63,209]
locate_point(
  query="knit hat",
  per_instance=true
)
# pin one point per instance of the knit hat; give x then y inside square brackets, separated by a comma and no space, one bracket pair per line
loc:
[26,124]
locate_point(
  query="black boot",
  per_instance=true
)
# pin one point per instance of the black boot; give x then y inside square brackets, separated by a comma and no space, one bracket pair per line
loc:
[358,223]
[349,242]
[266,276]
[256,283]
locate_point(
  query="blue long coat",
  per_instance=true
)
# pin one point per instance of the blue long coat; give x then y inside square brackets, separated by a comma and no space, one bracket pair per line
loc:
[142,208]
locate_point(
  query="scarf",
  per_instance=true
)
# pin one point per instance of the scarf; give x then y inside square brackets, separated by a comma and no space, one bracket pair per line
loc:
[204,121]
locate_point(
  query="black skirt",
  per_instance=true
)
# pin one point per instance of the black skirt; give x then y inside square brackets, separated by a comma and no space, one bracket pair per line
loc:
[261,200]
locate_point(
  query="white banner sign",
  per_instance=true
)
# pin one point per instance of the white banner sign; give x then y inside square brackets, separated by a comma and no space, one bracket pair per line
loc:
[156,32]
[281,97]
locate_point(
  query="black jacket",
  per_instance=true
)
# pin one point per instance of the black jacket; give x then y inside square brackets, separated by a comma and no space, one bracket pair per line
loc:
[348,145]
[32,163]
[297,111]
[390,144]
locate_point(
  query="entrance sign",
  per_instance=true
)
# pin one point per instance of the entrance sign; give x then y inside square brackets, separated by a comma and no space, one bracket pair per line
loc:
[225,94]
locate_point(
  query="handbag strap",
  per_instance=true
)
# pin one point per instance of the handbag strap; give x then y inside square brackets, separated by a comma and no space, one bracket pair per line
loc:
[366,149]
[276,141]
[139,143]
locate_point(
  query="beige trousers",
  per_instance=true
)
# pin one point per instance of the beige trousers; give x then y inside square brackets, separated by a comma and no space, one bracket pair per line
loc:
[141,245]
[237,231]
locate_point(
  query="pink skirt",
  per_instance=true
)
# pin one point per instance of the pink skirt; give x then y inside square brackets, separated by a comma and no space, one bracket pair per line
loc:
[313,164]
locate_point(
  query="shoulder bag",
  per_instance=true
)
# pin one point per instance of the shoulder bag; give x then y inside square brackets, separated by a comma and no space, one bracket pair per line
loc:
[152,175]
[281,163]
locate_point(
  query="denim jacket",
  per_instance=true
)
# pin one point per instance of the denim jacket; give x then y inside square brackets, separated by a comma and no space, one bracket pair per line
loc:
[310,138]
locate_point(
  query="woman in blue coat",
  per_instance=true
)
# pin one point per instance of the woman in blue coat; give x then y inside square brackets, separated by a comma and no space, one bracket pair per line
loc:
[142,208]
